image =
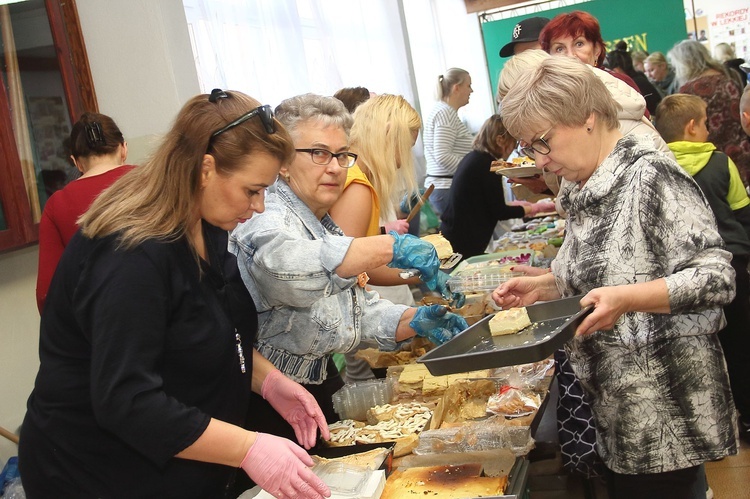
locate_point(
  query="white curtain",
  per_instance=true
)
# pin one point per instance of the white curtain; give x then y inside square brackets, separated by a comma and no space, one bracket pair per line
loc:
[274,49]
[441,36]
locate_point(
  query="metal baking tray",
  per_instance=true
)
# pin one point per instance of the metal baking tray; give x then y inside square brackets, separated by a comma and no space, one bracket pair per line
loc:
[553,324]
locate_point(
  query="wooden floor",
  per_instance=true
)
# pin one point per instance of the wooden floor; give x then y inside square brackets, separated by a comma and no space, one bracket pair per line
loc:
[730,477]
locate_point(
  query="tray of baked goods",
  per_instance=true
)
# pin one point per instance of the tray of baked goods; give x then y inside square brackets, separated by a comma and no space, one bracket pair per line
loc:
[519,167]
[509,337]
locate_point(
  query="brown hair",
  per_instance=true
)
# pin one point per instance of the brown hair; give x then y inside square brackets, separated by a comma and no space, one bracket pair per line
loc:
[352,97]
[94,134]
[158,200]
[486,139]
[674,112]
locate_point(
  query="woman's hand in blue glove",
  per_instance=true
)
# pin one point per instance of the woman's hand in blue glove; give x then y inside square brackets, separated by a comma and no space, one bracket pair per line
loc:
[435,323]
[410,252]
[457,300]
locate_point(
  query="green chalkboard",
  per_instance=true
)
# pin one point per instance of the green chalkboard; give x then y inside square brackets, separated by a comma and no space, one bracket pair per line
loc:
[646,25]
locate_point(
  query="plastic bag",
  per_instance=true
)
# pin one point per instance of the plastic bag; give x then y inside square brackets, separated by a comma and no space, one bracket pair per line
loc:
[428,220]
[14,489]
[512,402]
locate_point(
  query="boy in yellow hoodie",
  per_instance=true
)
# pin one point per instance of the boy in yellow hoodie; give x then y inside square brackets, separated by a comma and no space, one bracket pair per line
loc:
[681,121]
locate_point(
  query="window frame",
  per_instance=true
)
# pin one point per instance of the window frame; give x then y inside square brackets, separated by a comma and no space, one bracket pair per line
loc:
[79,91]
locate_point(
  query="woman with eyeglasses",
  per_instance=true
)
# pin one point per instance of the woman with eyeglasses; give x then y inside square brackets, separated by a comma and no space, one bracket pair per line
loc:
[630,112]
[146,343]
[308,279]
[642,247]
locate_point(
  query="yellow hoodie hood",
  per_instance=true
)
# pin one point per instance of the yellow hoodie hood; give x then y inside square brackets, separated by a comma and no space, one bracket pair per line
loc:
[694,156]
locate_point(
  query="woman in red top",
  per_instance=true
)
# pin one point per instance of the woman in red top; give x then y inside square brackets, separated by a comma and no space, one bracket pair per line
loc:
[98,150]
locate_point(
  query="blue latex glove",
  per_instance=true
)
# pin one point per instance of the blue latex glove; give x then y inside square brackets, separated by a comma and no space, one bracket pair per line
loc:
[457,299]
[410,252]
[435,323]
[410,201]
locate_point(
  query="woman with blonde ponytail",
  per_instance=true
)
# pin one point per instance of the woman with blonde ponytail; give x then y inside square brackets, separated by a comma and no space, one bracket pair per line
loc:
[446,138]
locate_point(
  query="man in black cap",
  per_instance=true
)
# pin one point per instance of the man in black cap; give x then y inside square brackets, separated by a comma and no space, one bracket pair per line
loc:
[525,36]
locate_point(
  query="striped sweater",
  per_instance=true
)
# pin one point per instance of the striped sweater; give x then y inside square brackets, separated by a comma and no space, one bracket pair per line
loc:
[446,142]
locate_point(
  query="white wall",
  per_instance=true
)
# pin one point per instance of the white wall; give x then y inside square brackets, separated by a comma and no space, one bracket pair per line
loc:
[19,335]
[143,70]
[142,64]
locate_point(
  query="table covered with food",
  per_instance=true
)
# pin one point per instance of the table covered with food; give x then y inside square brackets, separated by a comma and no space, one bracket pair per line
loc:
[456,420]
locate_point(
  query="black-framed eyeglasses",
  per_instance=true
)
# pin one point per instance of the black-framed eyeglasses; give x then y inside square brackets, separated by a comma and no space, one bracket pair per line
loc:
[538,146]
[345,159]
[265,113]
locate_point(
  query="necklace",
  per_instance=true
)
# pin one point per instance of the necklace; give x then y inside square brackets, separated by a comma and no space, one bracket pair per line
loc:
[222,291]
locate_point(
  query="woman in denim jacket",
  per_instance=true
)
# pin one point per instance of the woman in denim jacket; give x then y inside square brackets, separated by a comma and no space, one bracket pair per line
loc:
[307,278]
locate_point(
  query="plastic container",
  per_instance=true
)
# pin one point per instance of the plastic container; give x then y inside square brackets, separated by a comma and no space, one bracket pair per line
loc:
[476,436]
[502,259]
[354,399]
[480,279]
[343,479]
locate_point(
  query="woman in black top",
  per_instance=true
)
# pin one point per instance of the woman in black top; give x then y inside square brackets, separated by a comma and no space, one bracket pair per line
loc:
[620,61]
[476,201]
[146,352]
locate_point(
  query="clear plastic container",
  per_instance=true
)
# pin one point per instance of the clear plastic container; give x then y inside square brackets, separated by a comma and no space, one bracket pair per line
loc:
[354,399]
[475,437]
[481,279]
[343,479]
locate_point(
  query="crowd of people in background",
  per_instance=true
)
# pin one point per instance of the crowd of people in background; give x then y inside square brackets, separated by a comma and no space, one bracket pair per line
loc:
[193,307]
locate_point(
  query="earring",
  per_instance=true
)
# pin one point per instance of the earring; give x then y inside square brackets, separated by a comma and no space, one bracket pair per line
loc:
[286,176]
[588,128]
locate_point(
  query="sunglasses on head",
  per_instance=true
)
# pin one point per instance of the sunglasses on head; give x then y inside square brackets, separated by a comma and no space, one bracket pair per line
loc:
[263,112]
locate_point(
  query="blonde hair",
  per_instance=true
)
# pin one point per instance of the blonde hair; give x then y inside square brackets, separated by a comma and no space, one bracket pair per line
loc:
[445,83]
[724,52]
[159,199]
[516,66]
[656,58]
[638,56]
[561,91]
[382,137]
[674,112]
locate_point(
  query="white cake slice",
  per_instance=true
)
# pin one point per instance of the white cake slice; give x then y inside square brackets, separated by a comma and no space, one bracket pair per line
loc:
[509,321]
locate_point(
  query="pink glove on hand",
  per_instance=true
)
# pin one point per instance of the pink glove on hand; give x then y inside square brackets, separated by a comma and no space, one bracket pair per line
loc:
[297,406]
[282,468]
[401,226]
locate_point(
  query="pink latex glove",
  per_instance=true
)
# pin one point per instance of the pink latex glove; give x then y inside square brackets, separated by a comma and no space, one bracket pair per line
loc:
[282,468]
[401,226]
[297,406]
